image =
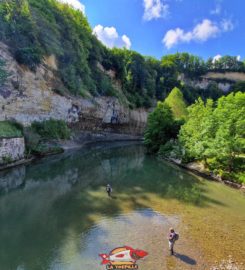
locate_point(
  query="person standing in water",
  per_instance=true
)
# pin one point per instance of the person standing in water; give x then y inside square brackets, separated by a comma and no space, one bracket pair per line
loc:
[108,190]
[172,237]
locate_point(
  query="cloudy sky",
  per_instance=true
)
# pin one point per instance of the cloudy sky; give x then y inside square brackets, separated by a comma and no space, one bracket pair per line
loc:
[158,27]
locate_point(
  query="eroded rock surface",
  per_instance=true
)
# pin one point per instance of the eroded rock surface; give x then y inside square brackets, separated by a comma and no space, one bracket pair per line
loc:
[11,149]
[28,96]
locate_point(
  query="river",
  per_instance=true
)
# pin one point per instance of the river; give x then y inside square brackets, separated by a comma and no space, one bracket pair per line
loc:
[55,213]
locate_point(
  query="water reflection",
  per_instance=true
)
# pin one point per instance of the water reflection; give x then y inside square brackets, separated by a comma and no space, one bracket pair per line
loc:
[61,217]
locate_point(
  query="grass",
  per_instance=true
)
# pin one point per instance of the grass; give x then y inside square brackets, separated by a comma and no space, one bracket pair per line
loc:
[10,129]
[52,129]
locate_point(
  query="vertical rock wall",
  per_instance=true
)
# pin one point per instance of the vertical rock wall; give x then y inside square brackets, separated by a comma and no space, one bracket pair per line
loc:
[11,149]
[31,96]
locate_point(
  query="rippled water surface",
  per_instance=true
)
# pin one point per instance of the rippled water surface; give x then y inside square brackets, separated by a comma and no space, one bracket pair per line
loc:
[55,213]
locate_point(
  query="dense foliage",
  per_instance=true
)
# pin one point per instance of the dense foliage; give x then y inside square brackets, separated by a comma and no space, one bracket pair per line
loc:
[177,103]
[225,63]
[10,129]
[36,29]
[214,133]
[41,137]
[51,129]
[161,127]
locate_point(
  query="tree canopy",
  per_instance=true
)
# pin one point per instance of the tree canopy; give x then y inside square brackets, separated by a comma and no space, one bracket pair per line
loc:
[177,103]
[161,127]
[36,29]
[215,133]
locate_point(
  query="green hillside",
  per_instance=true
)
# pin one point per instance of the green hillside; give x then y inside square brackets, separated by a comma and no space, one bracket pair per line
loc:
[35,29]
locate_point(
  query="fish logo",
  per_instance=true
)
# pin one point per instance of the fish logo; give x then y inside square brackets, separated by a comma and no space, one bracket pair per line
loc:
[123,258]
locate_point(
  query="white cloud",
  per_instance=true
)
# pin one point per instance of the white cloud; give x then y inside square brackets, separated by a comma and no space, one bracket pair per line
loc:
[74,3]
[155,9]
[200,33]
[127,41]
[238,58]
[227,25]
[110,37]
[205,30]
[175,36]
[216,58]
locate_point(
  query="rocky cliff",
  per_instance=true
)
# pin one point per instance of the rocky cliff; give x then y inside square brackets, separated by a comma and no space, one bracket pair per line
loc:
[223,80]
[28,96]
[11,149]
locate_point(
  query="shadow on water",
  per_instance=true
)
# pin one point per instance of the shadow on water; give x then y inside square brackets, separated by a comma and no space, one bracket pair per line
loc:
[64,195]
[186,259]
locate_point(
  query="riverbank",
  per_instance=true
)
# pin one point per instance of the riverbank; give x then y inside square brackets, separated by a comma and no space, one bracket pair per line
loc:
[195,168]
[78,139]
[16,163]
[86,137]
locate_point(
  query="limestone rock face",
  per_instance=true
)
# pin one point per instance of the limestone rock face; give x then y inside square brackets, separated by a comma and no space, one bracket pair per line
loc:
[224,81]
[107,114]
[29,96]
[11,149]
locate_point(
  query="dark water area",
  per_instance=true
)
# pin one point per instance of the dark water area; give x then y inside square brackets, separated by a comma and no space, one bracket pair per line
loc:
[55,213]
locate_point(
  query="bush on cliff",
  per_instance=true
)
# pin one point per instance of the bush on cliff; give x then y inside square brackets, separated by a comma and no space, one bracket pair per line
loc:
[10,129]
[51,129]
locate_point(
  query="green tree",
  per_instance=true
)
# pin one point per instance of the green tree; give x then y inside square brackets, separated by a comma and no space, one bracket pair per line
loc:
[216,134]
[197,134]
[229,140]
[161,127]
[177,103]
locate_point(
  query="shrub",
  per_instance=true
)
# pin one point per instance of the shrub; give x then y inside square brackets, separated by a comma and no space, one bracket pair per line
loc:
[30,57]
[51,129]
[240,177]
[10,129]
[171,149]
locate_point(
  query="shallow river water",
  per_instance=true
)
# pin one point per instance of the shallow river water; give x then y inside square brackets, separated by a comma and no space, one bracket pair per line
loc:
[55,213]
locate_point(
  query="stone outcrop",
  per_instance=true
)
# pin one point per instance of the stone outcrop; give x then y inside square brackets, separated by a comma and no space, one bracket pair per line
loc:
[224,81]
[11,149]
[28,96]
[231,76]
[107,114]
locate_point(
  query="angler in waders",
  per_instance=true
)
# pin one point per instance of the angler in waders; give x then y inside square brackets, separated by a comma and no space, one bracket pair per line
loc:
[172,237]
[109,190]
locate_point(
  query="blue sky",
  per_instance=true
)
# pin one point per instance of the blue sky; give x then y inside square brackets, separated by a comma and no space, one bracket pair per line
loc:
[158,27]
